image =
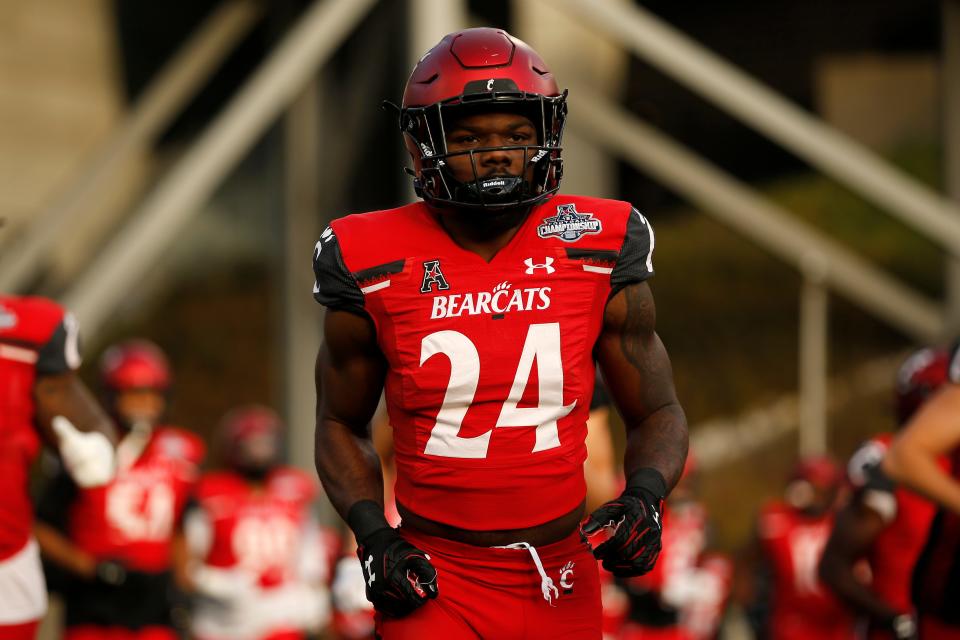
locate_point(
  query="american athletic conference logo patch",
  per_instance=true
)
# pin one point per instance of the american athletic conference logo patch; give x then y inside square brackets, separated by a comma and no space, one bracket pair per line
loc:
[569,224]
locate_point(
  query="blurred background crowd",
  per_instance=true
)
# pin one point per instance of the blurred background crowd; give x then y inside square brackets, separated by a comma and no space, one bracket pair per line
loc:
[168,166]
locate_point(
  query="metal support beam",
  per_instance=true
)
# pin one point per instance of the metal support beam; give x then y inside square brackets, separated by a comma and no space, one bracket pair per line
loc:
[813,365]
[763,222]
[950,87]
[177,82]
[721,83]
[154,226]
[302,317]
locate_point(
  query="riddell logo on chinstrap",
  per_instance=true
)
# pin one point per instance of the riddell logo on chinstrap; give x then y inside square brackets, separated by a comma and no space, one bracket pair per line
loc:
[498,301]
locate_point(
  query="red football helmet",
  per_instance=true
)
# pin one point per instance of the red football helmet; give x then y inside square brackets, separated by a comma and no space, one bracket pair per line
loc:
[919,376]
[482,69]
[814,484]
[251,438]
[136,364]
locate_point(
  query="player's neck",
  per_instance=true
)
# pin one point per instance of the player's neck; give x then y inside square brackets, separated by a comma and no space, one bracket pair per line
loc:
[483,233]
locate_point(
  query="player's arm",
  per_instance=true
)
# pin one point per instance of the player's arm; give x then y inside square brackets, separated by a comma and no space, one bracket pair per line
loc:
[51,522]
[637,369]
[855,529]
[66,414]
[932,433]
[350,372]
[640,380]
[349,377]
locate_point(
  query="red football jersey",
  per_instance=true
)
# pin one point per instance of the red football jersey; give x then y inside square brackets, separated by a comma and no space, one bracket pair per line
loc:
[36,338]
[491,367]
[133,518]
[908,516]
[263,531]
[802,607]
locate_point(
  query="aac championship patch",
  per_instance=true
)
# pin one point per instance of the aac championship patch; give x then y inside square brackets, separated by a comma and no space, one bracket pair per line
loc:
[569,224]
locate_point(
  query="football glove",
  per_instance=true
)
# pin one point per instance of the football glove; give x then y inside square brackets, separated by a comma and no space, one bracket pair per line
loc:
[88,457]
[634,519]
[398,577]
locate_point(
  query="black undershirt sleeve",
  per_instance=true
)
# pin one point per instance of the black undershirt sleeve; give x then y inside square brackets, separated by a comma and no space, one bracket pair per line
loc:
[635,261]
[335,287]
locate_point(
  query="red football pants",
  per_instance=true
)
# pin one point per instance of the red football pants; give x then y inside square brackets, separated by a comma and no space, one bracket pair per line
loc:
[497,594]
[25,631]
[91,632]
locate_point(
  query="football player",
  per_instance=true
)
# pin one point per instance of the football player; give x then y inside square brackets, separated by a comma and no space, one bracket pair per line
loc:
[481,311]
[884,524]
[914,458]
[42,401]
[120,543]
[262,562]
[791,535]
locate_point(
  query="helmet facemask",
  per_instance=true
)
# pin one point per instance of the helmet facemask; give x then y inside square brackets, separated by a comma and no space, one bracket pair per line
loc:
[425,129]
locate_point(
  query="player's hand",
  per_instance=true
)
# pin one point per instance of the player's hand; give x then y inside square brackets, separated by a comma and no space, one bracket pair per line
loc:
[634,520]
[116,575]
[398,577]
[88,457]
[903,627]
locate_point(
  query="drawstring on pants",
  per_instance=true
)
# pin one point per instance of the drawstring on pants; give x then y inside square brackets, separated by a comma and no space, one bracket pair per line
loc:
[549,590]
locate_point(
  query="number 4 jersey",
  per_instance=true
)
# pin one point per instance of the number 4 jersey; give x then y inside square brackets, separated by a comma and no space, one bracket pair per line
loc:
[490,363]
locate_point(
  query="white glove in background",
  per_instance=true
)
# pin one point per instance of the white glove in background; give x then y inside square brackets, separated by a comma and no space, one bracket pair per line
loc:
[88,457]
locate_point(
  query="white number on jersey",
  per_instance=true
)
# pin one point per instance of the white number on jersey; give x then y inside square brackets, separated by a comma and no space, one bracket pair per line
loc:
[141,511]
[542,345]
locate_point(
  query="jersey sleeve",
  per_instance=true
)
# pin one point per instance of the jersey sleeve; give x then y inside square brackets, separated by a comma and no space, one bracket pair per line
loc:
[635,260]
[61,353]
[334,287]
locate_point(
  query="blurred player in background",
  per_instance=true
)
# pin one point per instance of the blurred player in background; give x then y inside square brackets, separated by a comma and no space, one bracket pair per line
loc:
[119,544]
[42,401]
[479,312]
[261,562]
[883,524]
[915,459]
[780,585]
[685,595]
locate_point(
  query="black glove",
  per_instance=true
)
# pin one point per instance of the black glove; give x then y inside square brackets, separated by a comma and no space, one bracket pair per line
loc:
[633,548]
[113,574]
[398,577]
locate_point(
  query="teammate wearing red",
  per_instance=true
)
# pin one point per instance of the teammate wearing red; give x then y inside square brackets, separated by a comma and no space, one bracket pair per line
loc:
[41,398]
[915,459]
[480,311]
[262,561]
[791,536]
[884,524]
[119,543]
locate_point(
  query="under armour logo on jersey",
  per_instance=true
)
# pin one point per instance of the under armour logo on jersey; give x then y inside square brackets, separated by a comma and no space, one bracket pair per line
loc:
[368,564]
[433,276]
[531,267]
